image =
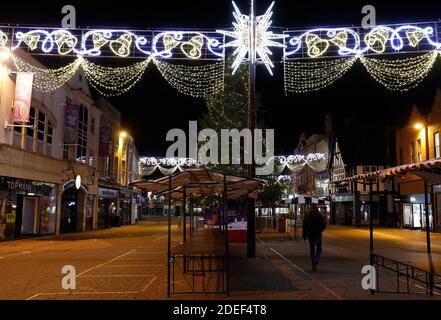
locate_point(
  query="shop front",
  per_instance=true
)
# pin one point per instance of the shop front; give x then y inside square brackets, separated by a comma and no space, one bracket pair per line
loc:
[413,211]
[76,208]
[107,207]
[342,211]
[27,208]
[437,207]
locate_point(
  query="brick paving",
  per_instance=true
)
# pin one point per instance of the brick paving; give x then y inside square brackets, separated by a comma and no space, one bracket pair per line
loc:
[130,263]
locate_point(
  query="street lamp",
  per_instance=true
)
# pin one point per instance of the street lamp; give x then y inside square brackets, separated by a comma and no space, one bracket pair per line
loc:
[420,126]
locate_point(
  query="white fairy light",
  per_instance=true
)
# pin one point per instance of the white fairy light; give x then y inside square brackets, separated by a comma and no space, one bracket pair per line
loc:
[308,76]
[48,80]
[256,45]
[402,74]
[196,81]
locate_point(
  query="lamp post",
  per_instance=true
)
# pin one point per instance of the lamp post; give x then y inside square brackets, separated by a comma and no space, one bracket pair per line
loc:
[251,235]
[419,126]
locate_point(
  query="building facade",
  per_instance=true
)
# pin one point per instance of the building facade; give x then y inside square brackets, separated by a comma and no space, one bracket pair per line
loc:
[48,167]
[413,146]
[366,151]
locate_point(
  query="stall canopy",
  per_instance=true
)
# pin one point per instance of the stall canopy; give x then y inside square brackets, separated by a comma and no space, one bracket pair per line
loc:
[201,182]
[428,170]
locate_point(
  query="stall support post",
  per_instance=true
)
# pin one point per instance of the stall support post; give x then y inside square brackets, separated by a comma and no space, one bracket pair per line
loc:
[226,234]
[184,222]
[371,229]
[426,209]
[169,235]
[184,211]
[191,214]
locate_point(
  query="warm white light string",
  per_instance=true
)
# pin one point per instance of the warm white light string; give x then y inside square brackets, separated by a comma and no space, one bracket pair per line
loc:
[48,80]
[114,81]
[310,76]
[403,74]
[197,81]
[394,74]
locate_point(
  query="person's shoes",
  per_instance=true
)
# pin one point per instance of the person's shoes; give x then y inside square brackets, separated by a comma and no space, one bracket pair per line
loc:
[314,266]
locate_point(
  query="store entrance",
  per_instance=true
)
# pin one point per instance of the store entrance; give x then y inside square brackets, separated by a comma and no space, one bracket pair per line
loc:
[27,216]
[72,211]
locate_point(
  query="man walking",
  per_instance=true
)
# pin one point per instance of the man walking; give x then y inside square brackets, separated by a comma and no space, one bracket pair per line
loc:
[313,226]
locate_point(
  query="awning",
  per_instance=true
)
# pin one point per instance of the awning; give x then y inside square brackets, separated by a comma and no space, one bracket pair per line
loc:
[200,182]
[428,170]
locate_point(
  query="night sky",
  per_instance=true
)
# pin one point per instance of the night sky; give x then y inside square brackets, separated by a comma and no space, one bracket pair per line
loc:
[154,107]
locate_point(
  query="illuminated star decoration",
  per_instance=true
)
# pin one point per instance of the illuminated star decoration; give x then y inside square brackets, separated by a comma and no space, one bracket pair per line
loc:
[259,46]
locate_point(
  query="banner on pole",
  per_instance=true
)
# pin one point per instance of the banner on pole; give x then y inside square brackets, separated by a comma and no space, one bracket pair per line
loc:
[23,96]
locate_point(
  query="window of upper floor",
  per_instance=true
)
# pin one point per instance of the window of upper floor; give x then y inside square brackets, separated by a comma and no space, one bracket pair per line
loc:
[37,135]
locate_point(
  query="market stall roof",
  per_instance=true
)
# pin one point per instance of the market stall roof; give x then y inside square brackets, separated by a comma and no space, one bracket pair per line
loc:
[428,170]
[200,182]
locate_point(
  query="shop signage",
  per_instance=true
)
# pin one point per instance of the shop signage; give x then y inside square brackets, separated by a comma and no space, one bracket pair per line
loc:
[125,193]
[23,96]
[72,183]
[10,218]
[437,188]
[26,186]
[108,193]
[78,182]
[342,198]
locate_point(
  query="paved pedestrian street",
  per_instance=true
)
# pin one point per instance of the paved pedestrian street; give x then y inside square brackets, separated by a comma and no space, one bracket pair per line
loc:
[129,262]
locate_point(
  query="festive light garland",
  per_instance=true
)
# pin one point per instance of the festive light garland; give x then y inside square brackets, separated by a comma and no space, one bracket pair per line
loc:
[397,75]
[119,43]
[311,76]
[48,80]
[196,81]
[114,81]
[401,74]
[295,163]
[351,42]
[167,166]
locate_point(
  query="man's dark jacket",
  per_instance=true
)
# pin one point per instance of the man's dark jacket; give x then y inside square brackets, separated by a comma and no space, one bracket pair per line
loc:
[313,225]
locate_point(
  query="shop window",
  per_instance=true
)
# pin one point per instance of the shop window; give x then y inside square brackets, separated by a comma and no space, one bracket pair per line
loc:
[412,152]
[82,134]
[420,153]
[30,132]
[40,132]
[436,145]
[49,137]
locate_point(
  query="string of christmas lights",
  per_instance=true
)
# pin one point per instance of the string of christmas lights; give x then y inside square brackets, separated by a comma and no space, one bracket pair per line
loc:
[308,76]
[111,81]
[48,80]
[402,74]
[196,81]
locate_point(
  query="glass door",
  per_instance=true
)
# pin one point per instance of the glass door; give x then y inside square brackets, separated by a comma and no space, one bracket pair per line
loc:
[407,215]
[417,216]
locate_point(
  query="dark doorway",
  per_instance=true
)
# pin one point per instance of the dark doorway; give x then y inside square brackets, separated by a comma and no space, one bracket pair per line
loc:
[70,209]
